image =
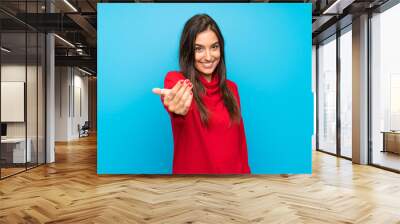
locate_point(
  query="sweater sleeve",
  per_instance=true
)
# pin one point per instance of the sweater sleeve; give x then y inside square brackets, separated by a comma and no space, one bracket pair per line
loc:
[171,79]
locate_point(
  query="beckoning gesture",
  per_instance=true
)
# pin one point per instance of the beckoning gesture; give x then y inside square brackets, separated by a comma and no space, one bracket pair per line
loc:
[179,98]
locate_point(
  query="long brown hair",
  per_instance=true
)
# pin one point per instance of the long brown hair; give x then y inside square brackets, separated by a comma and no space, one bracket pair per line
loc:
[193,26]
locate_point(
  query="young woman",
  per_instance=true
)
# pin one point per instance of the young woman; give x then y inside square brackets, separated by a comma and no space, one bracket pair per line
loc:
[204,105]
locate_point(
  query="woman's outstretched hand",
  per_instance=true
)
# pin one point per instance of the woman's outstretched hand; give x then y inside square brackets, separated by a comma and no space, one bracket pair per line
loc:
[179,98]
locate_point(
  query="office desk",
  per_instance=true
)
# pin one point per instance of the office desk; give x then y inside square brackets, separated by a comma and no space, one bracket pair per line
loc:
[391,141]
[13,150]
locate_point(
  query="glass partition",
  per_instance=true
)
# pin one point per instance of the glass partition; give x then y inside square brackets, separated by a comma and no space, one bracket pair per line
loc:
[32,95]
[14,153]
[327,95]
[22,77]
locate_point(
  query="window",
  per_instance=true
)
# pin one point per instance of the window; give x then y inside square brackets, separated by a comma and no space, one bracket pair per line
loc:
[385,88]
[346,92]
[327,95]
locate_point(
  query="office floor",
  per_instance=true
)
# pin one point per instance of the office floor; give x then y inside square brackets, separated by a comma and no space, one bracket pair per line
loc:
[387,159]
[70,191]
[10,170]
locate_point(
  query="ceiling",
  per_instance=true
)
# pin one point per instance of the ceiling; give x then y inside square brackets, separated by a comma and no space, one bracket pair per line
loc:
[76,22]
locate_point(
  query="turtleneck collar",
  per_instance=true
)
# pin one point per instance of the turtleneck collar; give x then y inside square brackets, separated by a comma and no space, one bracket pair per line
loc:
[212,87]
[212,84]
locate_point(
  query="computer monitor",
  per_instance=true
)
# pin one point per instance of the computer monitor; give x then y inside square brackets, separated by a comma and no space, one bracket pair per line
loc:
[3,129]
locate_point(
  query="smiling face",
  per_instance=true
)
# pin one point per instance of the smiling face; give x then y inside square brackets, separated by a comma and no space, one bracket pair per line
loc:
[207,53]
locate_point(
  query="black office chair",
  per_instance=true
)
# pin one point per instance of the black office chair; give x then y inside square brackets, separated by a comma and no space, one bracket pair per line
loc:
[84,130]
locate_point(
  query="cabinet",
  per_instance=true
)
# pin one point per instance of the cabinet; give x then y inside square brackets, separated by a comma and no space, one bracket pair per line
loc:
[391,141]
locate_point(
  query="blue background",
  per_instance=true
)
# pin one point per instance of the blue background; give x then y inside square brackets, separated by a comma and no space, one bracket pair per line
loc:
[268,54]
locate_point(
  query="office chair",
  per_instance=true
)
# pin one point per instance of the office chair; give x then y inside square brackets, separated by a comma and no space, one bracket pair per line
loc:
[84,130]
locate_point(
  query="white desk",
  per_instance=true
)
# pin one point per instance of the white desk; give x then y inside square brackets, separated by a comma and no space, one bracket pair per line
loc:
[19,149]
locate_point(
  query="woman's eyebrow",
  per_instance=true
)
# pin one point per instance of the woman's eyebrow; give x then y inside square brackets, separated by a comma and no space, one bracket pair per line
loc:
[217,42]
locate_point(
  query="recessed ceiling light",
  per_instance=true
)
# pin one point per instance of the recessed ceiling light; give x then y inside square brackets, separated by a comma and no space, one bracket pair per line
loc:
[71,6]
[64,40]
[337,7]
[5,50]
[84,71]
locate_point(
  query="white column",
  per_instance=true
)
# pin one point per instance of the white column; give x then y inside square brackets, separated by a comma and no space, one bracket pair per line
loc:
[50,92]
[360,90]
[50,100]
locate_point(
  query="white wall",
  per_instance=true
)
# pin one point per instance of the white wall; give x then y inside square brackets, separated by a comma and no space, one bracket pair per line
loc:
[10,73]
[15,72]
[81,89]
[62,81]
[71,94]
[13,101]
[33,127]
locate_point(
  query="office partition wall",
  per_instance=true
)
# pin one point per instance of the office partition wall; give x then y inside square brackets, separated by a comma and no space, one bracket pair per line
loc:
[22,88]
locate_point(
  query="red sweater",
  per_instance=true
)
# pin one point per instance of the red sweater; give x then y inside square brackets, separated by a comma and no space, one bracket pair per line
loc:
[219,148]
